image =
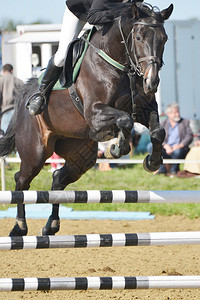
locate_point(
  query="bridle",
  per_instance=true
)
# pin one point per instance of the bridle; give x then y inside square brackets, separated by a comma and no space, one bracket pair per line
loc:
[136,66]
[133,68]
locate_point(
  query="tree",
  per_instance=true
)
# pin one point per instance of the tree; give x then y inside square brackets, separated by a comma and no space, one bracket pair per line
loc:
[10,25]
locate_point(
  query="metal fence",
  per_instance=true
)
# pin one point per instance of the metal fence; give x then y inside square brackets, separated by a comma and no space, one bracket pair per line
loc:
[122,161]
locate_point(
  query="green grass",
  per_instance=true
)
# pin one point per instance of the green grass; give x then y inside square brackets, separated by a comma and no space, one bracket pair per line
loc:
[131,178]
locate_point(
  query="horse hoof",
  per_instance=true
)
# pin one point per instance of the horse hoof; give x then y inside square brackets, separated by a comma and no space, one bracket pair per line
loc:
[150,166]
[52,226]
[119,151]
[111,152]
[49,231]
[20,229]
[126,149]
[115,151]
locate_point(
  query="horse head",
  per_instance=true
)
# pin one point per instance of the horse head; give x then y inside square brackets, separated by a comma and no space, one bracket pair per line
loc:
[145,42]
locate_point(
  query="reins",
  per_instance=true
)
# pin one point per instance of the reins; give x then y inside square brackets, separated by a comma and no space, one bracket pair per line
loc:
[105,56]
[133,66]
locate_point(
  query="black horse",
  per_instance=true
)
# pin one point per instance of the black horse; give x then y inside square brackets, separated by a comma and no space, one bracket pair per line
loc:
[113,98]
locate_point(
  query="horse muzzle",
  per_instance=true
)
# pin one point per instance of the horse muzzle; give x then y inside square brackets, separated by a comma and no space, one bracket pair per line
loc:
[151,80]
[150,86]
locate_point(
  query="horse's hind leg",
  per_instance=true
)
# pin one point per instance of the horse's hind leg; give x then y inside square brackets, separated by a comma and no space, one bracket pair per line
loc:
[61,178]
[20,228]
[81,156]
[153,161]
[23,179]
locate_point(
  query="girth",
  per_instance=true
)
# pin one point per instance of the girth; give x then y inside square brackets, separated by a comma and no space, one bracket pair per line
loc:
[76,99]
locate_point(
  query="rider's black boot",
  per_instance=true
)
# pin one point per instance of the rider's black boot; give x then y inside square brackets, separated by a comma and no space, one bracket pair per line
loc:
[37,101]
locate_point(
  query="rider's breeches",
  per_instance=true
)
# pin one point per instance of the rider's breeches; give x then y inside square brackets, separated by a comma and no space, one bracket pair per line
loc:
[71,27]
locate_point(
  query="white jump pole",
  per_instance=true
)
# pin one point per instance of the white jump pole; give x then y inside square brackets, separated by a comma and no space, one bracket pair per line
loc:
[100,240]
[99,283]
[96,196]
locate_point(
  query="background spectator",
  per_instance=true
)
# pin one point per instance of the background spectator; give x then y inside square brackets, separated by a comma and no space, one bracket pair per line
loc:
[191,169]
[9,87]
[101,148]
[55,166]
[140,138]
[178,138]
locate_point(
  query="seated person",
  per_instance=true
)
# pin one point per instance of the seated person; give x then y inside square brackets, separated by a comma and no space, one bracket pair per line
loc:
[191,169]
[143,144]
[55,166]
[101,148]
[140,138]
[178,138]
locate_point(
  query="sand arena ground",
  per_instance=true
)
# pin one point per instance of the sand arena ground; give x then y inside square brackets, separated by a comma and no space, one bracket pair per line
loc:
[119,261]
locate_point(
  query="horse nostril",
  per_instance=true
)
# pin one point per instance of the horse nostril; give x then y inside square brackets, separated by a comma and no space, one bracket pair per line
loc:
[150,85]
[147,82]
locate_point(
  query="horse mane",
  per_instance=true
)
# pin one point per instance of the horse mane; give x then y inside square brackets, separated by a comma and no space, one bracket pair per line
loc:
[125,10]
[26,89]
[147,10]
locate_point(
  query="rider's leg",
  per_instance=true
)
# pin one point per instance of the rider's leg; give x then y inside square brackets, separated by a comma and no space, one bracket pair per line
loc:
[71,27]
[37,101]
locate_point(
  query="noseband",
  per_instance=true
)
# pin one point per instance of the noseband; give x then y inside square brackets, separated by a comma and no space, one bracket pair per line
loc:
[136,66]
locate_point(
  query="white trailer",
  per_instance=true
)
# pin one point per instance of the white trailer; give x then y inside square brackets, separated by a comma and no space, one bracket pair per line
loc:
[30,48]
[180,74]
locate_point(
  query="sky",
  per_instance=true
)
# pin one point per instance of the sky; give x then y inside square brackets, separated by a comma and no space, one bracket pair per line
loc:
[51,11]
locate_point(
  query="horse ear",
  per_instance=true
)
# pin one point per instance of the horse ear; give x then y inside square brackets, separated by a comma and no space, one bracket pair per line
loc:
[166,13]
[135,11]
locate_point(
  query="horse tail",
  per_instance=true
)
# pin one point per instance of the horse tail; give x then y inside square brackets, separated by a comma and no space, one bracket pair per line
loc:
[7,141]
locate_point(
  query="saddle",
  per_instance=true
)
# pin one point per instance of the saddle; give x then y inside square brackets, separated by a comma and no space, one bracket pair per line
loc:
[75,54]
[74,58]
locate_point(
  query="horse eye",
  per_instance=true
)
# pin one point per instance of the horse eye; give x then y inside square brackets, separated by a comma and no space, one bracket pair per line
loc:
[138,38]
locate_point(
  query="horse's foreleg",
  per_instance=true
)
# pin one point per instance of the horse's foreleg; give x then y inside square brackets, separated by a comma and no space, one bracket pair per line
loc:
[102,129]
[153,161]
[121,146]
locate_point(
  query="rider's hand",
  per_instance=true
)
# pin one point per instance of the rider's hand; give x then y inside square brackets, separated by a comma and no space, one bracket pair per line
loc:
[178,146]
[168,149]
